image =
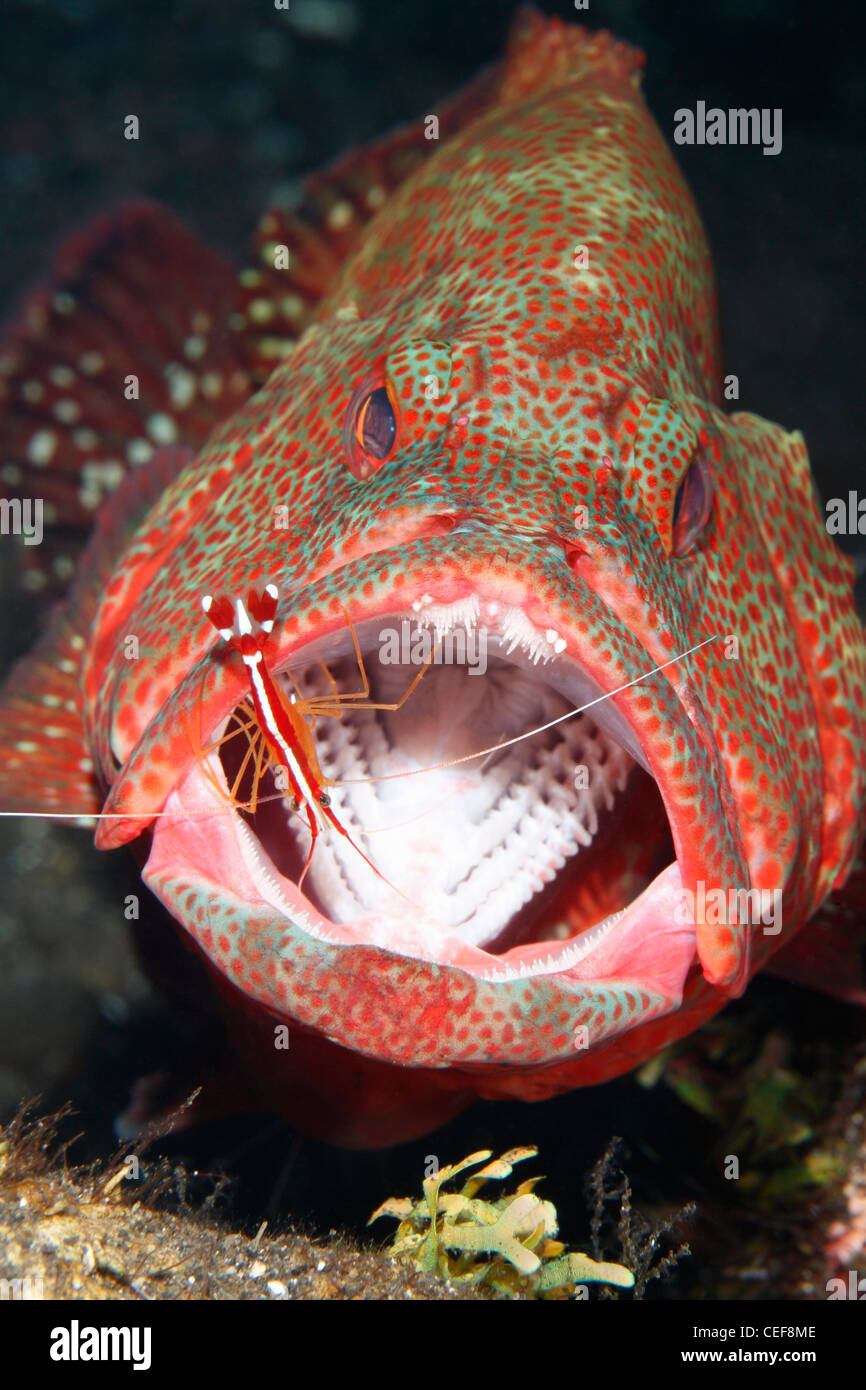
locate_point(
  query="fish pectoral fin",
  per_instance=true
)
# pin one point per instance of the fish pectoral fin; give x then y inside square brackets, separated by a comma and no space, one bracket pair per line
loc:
[46,767]
[830,952]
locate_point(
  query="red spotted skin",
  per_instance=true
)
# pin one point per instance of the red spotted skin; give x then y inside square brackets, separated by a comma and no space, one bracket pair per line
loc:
[546,265]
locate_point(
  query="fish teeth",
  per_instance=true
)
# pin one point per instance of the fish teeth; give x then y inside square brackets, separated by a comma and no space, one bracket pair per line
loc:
[509,623]
[443,617]
[518,632]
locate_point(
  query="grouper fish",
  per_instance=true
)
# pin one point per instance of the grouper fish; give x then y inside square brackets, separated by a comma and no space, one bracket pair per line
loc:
[463,419]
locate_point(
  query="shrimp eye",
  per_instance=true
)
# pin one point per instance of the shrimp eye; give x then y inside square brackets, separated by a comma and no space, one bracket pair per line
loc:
[692,505]
[370,432]
[324,799]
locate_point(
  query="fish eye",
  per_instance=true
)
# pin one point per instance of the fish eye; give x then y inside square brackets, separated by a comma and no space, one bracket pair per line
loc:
[370,431]
[692,505]
[376,429]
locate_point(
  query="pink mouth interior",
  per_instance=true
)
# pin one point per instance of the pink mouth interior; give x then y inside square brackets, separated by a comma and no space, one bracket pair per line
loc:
[552,854]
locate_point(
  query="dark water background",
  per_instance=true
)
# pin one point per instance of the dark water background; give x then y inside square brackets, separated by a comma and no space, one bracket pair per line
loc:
[236,100]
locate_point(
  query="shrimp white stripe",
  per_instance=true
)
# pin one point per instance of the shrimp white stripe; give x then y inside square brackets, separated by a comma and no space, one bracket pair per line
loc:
[252,662]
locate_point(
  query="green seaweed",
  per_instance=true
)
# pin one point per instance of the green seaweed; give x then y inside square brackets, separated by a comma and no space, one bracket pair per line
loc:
[506,1245]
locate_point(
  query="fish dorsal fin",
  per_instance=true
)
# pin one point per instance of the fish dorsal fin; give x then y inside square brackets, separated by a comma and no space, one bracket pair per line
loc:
[127,350]
[544,52]
[299,252]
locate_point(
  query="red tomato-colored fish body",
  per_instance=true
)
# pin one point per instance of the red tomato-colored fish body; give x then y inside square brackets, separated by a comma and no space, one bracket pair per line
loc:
[488,428]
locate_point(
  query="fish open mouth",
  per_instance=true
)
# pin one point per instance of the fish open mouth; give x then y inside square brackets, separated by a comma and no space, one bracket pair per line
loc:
[533,856]
[506,849]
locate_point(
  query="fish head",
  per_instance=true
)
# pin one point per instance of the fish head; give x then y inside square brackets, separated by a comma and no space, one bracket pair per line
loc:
[623,775]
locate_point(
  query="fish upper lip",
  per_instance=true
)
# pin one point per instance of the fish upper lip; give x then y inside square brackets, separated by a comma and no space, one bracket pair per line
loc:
[389,537]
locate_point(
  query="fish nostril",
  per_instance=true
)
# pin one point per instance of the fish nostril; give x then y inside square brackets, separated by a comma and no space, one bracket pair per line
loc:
[574,551]
[445,522]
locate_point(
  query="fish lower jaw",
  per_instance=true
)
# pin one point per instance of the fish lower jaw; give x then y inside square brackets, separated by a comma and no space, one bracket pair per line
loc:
[646,935]
[644,942]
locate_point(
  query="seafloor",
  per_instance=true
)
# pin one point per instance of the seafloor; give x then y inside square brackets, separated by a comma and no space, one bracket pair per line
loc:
[236,100]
